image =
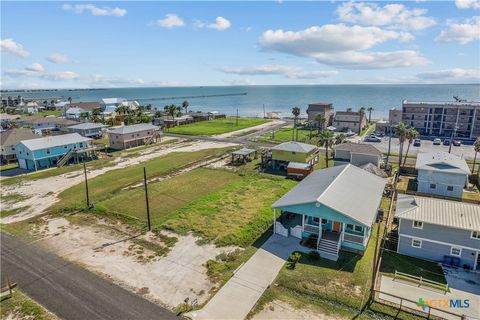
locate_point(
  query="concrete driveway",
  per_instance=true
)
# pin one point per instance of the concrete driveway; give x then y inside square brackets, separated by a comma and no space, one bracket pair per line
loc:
[239,295]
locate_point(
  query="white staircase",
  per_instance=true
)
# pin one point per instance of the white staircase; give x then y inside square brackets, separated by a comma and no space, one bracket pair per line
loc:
[63,160]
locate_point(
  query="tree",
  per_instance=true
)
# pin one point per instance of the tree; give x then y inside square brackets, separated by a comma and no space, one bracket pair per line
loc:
[2,107]
[340,138]
[148,107]
[185,105]
[320,118]
[476,147]
[349,109]
[410,135]
[326,140]
[172,111]
[401,131]
[296,113]
[370,109]
[84,115]
[361,112]
[122,109]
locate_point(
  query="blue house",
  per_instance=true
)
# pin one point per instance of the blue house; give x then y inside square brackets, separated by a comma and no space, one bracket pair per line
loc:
[331,209]
[46,152]
[439,230]
[441,173]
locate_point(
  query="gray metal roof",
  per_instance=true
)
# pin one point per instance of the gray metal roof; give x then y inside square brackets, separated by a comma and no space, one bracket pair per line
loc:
[347,189]
[453,214]
[293,146]
[298,165]
[134,128]
[53,141]
[363,148]
[87,125]
[441,162]
[244,152]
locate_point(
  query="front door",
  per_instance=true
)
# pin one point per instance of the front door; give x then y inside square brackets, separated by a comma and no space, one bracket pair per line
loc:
[336,226]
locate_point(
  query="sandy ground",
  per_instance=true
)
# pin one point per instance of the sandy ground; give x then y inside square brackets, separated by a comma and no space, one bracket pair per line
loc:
[250,129]
[167,280]
[43,193]
[281,310]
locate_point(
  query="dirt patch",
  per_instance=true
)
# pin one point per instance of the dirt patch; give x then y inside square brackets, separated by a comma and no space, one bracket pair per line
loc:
[167,279]
[281,310]
[41,194]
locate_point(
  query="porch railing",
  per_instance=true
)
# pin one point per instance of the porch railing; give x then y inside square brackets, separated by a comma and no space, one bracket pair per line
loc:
[311,228]
[350,237]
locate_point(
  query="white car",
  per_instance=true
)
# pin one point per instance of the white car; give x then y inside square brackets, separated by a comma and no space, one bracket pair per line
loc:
[437,141]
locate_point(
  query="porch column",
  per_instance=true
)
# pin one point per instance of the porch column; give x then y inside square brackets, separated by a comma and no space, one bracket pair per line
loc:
[303,222]
[274,220]
[343,231]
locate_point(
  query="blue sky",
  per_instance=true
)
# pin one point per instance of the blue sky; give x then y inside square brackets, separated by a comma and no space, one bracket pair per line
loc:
[125,44]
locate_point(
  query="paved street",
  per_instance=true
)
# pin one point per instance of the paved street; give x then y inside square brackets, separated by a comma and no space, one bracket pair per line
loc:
[68,290]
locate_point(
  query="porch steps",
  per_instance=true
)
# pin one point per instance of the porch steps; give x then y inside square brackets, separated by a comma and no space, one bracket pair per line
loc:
[63,160]
[328,249]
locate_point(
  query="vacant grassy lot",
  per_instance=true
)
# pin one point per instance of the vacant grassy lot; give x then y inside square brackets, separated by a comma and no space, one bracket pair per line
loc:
[20,306]
[217,126]
[9,166]
[110,183]
[287,134]
[56,113]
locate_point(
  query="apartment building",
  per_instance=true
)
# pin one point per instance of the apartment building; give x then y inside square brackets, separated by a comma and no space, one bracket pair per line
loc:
[443,118]
[349,120]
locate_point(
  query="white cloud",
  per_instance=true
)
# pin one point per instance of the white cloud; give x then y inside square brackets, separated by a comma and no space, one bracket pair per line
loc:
[291,72]
[455,75]
[391,15]
[64,75]
[343,46]
[35,67]
[239,82]
[58,58]
[462,33]
[94,10]
[12,47]
[220,24]
[171,20]
[468,4]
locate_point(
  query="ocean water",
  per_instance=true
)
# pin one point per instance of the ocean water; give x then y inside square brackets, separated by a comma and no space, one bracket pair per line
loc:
[250,100]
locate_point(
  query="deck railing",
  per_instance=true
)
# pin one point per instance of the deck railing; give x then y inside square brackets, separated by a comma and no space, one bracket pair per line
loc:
[311,228]
[350,237]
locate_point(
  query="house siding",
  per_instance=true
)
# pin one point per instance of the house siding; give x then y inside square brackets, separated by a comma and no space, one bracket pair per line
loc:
[281,155]
[361,159]
[442,180]
[129,140]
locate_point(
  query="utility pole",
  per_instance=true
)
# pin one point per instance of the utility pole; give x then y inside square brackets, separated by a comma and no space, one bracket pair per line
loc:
[264,111]
[146,198]
[389,140]
[86,185]
[237,118]
[375,257]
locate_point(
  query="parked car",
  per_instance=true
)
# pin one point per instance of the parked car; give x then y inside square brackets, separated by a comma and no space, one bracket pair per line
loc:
[437,141]
[457,143]
[446,142]
[350,133]
[417,143]
[379,133]
[373,138]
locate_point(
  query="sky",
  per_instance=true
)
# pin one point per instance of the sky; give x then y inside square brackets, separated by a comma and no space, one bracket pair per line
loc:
[128,44]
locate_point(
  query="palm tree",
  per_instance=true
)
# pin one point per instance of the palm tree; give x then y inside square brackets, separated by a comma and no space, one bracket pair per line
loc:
[122,109]
[411,135]
[185,105]
[349,109]
[148,107]
[370,109]
[172,111]
[361,112]
[401,131]
[326,140]
[340,138]
[296,113]
[476,147]
[320,118]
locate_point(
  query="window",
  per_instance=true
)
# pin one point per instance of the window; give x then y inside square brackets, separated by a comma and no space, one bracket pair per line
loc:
[416,243]
[358,228]
[13,149]
[349,226]
[455,251]
[433,186]
[148,132]
[450,188]
[48,151]
[317,220]
[65,147]
[417,224]
[324,221]
[475,235]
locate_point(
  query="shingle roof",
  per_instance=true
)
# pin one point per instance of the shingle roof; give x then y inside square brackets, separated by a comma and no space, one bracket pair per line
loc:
[15,135]
[363,148]
[84,105]
[87,125]
[347,189]
[134,128]
[54,141]
[293,146]
[441,162]
[446,213]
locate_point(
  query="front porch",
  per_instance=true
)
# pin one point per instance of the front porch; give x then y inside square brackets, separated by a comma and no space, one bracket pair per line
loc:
[326,235]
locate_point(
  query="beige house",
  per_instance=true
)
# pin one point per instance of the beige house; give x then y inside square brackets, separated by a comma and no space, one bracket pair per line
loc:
[9,140]
[133,136]
[358,154]
[324,108]
[349,120]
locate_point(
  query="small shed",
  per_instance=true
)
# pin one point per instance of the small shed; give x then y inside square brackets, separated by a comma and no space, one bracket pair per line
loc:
[243,155]
[298,171]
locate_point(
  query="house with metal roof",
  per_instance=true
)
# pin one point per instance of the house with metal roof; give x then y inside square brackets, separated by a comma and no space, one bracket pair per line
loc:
[89,129]
[9,140]
[331,209]
[51,151]
[358,154]
[441,173]
[439,230]
[75,110]
[133,136]
[293,151]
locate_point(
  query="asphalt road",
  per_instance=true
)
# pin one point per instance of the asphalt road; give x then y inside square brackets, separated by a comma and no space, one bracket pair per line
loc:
[68,290]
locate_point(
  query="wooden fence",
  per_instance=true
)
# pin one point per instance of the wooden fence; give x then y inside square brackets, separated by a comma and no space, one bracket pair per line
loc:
[421,281]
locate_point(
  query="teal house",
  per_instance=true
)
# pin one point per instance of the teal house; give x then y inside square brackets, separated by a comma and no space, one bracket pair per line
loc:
[332,209]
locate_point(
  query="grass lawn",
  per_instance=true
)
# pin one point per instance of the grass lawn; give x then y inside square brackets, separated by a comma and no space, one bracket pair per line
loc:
[369,130]
[217,126]
[112,182]
[285,134]
[56,113]
[20,306]
[9,166]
